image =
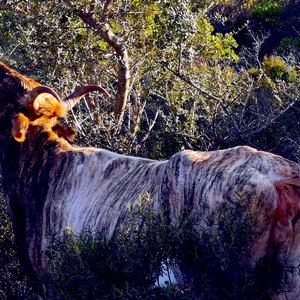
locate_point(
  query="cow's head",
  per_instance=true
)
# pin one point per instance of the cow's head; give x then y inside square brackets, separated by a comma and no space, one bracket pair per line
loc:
[25,104]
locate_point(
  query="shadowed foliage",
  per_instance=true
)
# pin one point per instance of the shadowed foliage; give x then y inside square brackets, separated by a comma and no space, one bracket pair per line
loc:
[212,258]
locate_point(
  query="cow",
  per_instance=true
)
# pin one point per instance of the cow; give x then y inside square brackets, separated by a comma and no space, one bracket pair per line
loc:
[51,184]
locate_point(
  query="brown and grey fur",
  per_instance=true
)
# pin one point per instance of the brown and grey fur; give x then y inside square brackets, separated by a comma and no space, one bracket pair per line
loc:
[50,184]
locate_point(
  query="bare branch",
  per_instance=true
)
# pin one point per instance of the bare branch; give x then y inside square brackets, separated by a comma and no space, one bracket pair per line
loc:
[206,93]
[296,30]
[189,82]
[106,7]
[256,129]
[105,32]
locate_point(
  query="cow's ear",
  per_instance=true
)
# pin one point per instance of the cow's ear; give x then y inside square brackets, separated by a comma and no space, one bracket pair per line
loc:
[20,126]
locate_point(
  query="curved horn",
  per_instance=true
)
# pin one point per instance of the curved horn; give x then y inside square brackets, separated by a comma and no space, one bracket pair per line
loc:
[75,97]
[40,90]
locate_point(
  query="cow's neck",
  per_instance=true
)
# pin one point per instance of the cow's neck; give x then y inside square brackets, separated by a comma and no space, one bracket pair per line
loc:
[25,171]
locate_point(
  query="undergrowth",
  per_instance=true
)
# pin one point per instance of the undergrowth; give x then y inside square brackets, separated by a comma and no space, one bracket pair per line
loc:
[213,257]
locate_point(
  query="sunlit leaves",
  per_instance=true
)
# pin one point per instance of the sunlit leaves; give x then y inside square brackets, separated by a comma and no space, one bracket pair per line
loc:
[185,71]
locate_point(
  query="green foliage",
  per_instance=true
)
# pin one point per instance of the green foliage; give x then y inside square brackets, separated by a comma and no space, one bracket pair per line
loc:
[190,85]
[216,258]
[287,41]
[213,256]
[274,67]
[267,8]
[88,266]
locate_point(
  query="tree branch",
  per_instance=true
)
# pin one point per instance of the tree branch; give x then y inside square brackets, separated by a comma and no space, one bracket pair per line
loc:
[191,83]
[257,129]
[105,32]
[106,7]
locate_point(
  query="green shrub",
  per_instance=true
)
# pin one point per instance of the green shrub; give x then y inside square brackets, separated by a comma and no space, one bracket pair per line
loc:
[215,259]
[274,67]
[91,267]
[212,255]
[268,8]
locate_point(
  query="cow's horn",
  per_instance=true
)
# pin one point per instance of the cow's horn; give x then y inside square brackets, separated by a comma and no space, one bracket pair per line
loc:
[75,97]
[40,90]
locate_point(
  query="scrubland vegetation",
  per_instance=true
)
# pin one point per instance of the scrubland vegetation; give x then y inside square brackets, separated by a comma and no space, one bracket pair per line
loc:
[204,75]
[215,259]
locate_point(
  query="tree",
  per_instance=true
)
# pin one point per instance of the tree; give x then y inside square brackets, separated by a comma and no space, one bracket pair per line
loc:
[176,81]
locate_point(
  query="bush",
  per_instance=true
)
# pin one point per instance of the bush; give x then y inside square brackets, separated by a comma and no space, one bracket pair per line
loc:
[213,259]
[268,8]
[91,267]
[274,67]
